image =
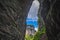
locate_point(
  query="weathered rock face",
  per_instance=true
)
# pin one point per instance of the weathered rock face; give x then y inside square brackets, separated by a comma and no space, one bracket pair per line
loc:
[13,15]
[44,37]
[50,12]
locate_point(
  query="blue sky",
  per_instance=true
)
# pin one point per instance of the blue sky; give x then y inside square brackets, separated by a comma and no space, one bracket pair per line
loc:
[32,14]
[32,22]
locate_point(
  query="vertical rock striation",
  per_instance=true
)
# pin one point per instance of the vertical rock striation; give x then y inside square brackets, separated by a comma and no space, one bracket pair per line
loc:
[13,15]
[50,12]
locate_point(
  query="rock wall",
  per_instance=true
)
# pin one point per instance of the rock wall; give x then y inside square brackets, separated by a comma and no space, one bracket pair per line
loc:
[50,12]
[13,15]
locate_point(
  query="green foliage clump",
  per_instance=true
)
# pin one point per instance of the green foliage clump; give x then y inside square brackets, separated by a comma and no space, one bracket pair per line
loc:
[39,33]
[28,37]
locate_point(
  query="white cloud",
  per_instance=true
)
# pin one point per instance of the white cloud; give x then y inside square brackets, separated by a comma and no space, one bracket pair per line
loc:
[32,16]
[36,29]
[36,2]
[29,16]
[34,10]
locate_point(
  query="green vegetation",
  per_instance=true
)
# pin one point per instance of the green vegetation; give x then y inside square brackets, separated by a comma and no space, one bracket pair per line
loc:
[28,37]
[39,33]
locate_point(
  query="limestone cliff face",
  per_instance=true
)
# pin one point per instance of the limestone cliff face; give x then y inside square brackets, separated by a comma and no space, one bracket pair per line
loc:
[50,12]
[13,15]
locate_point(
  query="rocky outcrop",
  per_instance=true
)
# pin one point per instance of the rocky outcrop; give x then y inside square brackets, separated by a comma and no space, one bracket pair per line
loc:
[13,15]
[50,12]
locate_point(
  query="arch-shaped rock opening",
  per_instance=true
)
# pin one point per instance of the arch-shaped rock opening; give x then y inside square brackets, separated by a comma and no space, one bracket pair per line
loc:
[13,14]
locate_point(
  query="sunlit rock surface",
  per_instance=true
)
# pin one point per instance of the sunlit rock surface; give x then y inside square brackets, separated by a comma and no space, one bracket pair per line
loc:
[13,14]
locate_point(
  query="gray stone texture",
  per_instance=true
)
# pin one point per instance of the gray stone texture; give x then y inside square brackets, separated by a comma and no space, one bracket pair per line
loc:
[50,12]
[13,15]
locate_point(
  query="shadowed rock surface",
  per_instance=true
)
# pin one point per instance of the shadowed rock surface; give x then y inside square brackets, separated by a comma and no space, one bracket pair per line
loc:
[44,37]
[13,15]
[50,12]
